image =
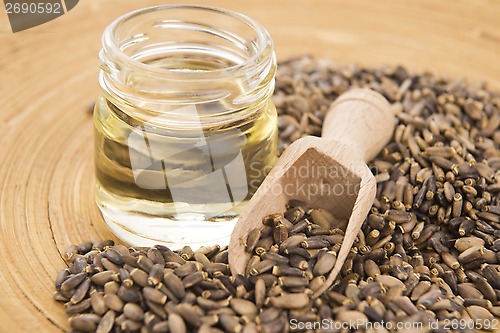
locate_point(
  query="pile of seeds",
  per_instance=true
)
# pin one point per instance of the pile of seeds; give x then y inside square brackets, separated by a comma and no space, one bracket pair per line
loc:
[428,251]
[110,287]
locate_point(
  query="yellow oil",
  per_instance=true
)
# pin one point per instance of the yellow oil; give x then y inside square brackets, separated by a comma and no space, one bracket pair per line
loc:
[161,189]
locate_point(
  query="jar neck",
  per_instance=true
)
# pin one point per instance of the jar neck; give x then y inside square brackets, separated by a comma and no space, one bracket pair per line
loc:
[162,61]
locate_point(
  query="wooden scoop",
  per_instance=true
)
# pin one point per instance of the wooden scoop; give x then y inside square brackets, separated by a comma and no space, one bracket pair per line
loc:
[328,173]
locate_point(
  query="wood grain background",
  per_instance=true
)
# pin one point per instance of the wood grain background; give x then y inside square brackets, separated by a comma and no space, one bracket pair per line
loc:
[48,79]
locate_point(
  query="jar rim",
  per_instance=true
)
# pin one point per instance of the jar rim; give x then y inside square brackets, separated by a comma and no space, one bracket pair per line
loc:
[264,44]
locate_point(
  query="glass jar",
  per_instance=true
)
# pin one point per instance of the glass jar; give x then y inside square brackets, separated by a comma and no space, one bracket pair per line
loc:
[185,129]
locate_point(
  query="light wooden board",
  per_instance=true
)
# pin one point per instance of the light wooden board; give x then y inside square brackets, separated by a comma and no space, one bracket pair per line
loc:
[48,77]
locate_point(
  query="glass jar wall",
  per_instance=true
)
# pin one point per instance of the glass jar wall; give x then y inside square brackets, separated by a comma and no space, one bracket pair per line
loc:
[185,129]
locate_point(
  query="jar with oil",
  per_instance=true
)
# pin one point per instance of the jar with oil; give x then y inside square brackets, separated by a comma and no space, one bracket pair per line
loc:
[185,129]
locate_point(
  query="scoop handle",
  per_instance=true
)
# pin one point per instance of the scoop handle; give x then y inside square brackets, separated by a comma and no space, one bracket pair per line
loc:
[362,119]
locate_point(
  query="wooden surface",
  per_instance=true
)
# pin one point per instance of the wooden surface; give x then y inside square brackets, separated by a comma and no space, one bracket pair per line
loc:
[48,78]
